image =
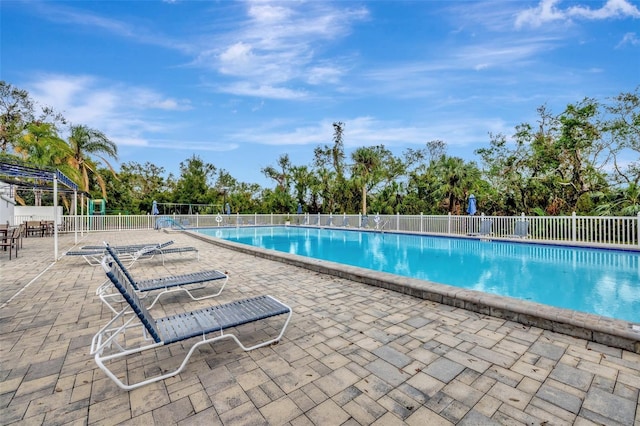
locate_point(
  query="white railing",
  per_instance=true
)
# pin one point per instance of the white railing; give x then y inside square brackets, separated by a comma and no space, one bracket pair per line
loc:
[606,230]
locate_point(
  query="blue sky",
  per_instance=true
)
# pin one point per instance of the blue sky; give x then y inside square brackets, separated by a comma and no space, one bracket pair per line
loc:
[240,83]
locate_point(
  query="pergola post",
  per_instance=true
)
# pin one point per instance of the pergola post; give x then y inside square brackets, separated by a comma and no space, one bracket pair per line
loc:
[75,216]
[55,217]
[20,171]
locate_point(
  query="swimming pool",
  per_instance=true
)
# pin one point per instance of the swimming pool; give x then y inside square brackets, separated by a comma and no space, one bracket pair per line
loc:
[596,281]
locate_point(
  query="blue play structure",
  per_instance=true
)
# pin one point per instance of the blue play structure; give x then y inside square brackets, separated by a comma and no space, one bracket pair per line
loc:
[97,207]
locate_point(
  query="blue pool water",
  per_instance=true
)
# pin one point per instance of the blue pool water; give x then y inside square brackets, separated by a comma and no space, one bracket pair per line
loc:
[603,282]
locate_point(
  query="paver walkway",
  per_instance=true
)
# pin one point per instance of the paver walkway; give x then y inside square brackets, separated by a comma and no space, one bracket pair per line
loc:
[353,354]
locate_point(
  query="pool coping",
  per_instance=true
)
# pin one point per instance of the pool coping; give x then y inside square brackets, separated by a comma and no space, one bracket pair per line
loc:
[595,328]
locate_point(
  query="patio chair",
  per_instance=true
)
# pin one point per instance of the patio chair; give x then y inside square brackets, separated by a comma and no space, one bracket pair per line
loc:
[21,235]
[345,222]
[365,222]
[34,227]
[48,227]
[521,230]
[186,283]
[115,341]
[485,229]
[12,240]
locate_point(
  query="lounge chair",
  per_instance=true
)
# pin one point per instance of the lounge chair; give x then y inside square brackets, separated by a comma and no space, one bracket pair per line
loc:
[133,253]
[92,257]
[485,229]
[187,282]
[365,222]
[521,230]
[93,254]
[115,342]
[129,247]
[150,252]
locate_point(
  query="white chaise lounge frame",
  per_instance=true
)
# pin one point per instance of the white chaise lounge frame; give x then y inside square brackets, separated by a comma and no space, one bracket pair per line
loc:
[521,230]
[486,226]
[93,254]
[207,325]
[162,285]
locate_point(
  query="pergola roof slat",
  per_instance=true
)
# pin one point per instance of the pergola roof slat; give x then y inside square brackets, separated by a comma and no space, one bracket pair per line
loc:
[22,171]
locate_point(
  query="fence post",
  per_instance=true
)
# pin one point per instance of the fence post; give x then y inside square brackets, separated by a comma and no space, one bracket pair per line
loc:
[449,223]
[421,231]
[574,230]
[638,229]
[397,221]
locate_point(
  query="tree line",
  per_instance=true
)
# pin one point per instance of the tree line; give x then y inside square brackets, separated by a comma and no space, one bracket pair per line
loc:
[574,161]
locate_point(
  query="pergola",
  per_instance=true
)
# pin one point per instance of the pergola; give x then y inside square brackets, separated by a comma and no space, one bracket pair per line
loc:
[27,176]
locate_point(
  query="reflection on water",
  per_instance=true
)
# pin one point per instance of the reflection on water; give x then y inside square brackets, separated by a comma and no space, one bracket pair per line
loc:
[604,282]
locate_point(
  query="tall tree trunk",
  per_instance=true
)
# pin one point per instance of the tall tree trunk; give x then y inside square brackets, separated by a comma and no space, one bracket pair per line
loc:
[364,199]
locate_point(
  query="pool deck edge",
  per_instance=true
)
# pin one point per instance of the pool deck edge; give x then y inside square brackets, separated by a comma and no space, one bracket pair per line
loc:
[595,328]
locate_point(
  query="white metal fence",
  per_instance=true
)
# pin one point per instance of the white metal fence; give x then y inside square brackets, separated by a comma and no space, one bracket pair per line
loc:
[605,230]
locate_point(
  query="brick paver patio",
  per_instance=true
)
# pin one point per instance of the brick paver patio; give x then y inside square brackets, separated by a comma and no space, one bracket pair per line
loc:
[353,354]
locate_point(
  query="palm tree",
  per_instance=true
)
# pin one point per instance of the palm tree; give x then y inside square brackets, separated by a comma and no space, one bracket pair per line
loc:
[41,146]
[457,177]
[84,142]
[621,201]
[367,164]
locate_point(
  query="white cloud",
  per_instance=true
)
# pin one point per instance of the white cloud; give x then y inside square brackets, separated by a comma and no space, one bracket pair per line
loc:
[190,145]
[499,53]
[128,115]
[438,76]
[267,135]
[369,131]
[611,9]
[236,59]
[544,12]
[324,74]
[629,38]
[548,11]
[57,12]
[279,45]
[121,112]
[144,98]
[263,12]
[247,88]
[272,45]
